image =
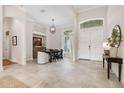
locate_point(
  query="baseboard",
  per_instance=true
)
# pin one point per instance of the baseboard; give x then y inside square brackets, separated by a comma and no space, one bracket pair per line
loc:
[28,59]
[1,69]
[83,59]
[90,60]
[22,63]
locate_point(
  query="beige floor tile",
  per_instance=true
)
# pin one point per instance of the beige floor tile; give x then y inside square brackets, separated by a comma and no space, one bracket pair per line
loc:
[62,74]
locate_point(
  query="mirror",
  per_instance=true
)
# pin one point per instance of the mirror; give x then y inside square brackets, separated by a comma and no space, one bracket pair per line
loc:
[115,39]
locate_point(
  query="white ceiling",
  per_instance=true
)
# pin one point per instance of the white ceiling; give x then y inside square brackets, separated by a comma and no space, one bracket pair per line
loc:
[81,8]
[63,14]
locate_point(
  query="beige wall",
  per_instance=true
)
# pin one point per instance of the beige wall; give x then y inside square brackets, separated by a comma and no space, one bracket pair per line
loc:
[69,28]
[7,24]
[29,44]
[19,23]
[95,13]
[32,27]
[53,40]
[100,12]
[17,28]
[1,34]
[116,16]
[15,12]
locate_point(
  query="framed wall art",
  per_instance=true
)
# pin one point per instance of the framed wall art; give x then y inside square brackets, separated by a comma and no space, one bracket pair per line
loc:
[14,40]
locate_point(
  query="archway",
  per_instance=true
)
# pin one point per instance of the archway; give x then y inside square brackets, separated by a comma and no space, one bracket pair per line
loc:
[13,41]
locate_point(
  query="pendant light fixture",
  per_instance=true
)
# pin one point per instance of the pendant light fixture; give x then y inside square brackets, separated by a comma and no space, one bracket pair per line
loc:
[53,28]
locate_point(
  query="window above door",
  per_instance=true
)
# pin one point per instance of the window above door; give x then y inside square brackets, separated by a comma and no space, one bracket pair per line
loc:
[91,23]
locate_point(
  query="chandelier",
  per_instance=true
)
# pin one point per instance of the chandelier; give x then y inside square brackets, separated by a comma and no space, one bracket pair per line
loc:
[53,28]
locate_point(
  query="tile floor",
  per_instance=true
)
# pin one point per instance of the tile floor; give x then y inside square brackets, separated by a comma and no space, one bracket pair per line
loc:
[63,74]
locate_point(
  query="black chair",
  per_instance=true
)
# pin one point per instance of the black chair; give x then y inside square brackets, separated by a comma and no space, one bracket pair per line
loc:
[52,57]
[56,55]
[61,54]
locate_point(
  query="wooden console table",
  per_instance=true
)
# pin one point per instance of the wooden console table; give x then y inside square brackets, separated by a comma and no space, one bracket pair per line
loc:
[110,60]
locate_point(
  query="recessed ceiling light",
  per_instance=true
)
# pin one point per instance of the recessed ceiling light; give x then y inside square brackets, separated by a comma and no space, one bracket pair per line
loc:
[43,11]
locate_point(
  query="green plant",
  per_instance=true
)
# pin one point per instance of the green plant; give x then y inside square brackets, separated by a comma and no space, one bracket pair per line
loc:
[114,40]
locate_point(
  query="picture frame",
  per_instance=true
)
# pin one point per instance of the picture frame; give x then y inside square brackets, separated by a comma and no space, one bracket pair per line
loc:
[37,41]
[14,40]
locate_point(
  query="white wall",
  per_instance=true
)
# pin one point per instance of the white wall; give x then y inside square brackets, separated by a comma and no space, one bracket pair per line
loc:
[95,13]
[100,12]
[18,22]
[75,37]
[29,44]
[53,40]
[15,12]
[69,28]
[37,27]
[57,41]
[7,24]
[116,16]
[32,27]
[22,25]
[18,52]
[1,33]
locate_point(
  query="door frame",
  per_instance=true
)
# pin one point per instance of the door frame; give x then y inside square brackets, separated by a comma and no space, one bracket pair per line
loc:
[68,55]
[90,19]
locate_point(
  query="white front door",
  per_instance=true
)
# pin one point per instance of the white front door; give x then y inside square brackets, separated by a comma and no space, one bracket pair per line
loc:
[84,42]
[96,50]
[90,43]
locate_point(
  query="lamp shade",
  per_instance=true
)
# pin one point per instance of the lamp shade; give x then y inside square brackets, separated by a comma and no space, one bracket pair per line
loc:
[53,29]
[106,46]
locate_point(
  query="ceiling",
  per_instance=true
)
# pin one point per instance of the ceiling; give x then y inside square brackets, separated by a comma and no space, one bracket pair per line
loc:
[63,14]
[82,8]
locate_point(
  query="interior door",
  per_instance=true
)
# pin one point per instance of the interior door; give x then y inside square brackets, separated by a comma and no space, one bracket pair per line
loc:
[84,43]
[96,40]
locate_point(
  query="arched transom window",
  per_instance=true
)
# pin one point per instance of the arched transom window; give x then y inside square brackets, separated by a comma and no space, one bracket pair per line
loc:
[91,23]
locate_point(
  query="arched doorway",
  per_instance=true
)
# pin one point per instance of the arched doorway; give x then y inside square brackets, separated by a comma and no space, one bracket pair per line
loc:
[7,34]
[13,41]
[68,52]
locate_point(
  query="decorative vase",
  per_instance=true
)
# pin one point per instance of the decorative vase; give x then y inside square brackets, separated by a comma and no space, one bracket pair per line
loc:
[113,51]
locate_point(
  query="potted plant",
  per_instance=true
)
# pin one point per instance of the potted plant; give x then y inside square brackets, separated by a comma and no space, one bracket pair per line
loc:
[114,41]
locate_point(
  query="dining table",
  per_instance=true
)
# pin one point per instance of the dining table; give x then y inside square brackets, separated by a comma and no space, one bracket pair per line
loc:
[53,53]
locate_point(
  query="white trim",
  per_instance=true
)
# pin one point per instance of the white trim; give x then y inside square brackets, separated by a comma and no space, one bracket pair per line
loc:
[39,33]
[21,63]
[28,59]
[1,69]
[1,38]
[89,19]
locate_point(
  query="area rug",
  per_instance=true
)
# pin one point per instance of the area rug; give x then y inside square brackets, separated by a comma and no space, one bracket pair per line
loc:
[11,82]
[7,62]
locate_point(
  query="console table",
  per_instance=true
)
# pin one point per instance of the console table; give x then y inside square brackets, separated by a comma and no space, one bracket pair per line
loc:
[110,60]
